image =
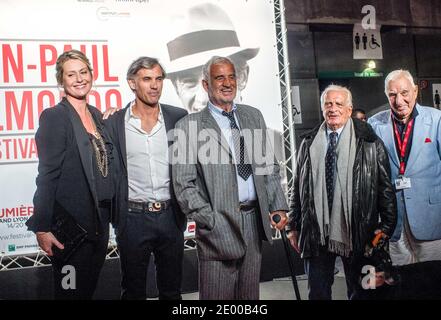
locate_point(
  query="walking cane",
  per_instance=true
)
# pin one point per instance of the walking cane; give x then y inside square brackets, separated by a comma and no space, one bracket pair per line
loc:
[276,219]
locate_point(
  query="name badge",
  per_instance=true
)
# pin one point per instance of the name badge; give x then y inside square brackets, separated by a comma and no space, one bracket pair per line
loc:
[402,183]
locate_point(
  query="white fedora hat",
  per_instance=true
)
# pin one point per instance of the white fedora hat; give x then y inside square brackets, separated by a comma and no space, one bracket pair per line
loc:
[205,31]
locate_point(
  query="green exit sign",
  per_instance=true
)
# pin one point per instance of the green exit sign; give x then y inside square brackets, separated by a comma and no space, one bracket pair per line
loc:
[349,74]
[368,74]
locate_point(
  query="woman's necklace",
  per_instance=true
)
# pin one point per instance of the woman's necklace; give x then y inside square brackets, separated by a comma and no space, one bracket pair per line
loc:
[100,150]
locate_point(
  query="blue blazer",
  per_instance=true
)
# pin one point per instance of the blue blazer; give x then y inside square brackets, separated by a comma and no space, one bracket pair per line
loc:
[421,202]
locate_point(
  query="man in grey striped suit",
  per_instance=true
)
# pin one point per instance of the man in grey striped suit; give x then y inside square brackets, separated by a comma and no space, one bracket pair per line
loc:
[227,181]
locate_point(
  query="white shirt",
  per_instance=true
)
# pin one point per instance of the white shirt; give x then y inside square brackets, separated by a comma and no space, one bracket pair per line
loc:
[329,131]
[147,159]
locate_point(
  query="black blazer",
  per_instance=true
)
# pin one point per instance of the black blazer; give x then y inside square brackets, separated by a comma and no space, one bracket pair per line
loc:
[116,127]
[65,172]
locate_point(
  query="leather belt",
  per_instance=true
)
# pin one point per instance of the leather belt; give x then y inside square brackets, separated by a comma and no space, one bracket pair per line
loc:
[248,205]
[147,207]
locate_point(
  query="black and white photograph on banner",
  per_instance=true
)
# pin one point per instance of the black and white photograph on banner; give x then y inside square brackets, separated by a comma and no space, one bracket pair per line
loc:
[116,117]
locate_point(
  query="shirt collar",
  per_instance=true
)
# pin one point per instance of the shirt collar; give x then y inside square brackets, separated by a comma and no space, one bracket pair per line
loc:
[130,114]
[339,130]
[413,115]
[218,110]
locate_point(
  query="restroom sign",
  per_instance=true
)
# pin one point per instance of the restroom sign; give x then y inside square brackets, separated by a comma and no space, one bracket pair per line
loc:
[367,42]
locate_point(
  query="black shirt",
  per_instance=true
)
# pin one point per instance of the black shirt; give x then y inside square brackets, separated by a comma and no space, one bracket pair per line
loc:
[104,186]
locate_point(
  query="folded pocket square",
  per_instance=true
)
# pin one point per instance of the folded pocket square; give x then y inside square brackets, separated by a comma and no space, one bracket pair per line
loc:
[427,140]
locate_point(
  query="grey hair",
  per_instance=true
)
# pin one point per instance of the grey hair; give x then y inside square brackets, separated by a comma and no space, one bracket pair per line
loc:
[395,75]
[143,63]
[334,87]
[215,60]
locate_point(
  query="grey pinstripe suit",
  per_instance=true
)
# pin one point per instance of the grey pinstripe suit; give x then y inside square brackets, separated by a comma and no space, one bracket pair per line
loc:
[207,193]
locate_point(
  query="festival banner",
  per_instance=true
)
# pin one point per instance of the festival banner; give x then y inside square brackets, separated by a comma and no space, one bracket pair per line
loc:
[113,33]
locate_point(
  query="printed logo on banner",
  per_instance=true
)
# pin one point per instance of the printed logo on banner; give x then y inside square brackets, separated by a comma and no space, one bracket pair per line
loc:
[105,14]
[11,248]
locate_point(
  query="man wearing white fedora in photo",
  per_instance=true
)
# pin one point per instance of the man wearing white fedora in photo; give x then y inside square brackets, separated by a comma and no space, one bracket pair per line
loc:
[205,30]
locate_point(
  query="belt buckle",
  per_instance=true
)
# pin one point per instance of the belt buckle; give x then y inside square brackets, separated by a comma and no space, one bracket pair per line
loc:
[155,206]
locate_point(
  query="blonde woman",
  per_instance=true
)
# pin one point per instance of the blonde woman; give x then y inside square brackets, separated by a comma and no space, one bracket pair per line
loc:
[74,180]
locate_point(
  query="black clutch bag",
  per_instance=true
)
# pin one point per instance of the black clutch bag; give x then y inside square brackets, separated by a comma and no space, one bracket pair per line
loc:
[69,233]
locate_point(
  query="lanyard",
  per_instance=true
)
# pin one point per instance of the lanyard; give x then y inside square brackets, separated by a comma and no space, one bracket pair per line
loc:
[402,145]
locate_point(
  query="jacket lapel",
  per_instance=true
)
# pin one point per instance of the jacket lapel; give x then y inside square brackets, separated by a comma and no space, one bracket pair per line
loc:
[121,129]
[168,121]
[208,122]
[246,124]
[421,130]
[169,125]
[83,143]
[386,133]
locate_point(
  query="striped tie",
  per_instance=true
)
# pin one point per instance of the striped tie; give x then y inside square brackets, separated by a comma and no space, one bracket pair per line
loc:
[244,170]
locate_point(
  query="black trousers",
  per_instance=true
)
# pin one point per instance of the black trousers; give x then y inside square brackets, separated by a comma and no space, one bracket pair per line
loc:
[77,278]
[147,233]
[320,271]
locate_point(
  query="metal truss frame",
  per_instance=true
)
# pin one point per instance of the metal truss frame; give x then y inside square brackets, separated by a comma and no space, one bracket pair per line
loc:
[285,91]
